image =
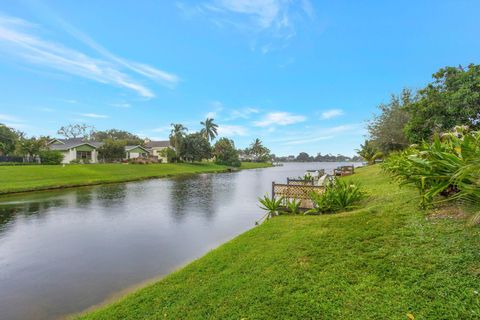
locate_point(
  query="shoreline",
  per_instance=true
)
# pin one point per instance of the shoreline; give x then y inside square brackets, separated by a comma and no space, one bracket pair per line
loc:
[252,275]
[208,169]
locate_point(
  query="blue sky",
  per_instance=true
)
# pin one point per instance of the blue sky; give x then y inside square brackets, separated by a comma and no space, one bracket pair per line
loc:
[301,75]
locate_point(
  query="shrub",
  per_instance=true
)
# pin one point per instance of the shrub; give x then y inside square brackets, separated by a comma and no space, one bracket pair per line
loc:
[271,206]
[338,196]
[448,167]
[50,157]
[293,206]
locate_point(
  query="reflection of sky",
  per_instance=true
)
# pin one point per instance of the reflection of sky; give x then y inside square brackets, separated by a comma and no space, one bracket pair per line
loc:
[63,251]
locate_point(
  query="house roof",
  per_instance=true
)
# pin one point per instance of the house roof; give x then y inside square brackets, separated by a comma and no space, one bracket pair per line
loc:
[66,144]
[128,148]
[158,144]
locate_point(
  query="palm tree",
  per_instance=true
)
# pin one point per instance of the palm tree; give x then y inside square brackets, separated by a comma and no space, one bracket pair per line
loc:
[368,152]
[257,149]
[209,130]
[176,135]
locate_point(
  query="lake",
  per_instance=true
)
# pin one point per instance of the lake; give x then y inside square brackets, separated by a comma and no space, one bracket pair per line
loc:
[64,251]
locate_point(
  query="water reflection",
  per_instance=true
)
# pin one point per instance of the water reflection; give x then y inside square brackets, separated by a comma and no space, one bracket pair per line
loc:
[63,251]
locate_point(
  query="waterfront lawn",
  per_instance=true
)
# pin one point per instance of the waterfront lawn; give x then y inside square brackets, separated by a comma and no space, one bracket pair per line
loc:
[384,261]
[39,177]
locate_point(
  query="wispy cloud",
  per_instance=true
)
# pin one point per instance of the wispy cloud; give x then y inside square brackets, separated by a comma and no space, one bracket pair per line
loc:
[276,19]
[12,122]
[243,113]
[315,135]
[332,113]
[279,118]
[94,115]
[121,105]
[6,117]
[20,38]
[216,107]
[306,141]
[46,109]
[231,130]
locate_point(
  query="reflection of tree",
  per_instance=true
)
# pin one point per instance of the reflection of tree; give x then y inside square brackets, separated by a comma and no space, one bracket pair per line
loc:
[180,193]
[33,207]
[110,195]
[204,194]
[7,214]
[201,194]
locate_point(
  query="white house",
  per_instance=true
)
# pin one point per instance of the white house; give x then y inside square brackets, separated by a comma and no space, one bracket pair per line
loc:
[76,149]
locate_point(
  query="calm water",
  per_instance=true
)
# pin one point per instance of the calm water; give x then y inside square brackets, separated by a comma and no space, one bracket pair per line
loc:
[64,251]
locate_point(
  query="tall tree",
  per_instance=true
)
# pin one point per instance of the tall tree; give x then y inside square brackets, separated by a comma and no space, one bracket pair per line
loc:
[453,98]
[194,147]
[79,130]
[225,153]
[368,152]
[112,150]
[209,130]
[30,148]
[8,139]
[176,136]
[387,130]
[258,150]
[303,157]
[118,135]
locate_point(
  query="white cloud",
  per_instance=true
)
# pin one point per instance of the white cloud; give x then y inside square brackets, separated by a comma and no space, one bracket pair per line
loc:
[332,113]
[263,12]
[211,114]
[314,135]
[316,139]
[231,130]
[279,118]
[47,109]
[6,117]
[18,38]
[243,113]
[217,107]
[13,122]
[94,115]
[121,105]
[276,19]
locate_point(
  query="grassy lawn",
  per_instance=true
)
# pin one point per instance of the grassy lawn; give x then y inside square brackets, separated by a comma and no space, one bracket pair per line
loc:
[30,178]
[383,261]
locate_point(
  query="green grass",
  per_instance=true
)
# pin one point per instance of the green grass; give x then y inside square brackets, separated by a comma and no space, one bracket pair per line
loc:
[381,262]
[37,177]
[254,165]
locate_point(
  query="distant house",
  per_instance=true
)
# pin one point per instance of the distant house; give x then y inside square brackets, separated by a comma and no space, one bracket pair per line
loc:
[133,152]
[156,147]
[76,149]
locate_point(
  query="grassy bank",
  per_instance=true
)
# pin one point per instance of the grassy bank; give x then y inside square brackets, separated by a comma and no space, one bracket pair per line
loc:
[383,261]
[31,178]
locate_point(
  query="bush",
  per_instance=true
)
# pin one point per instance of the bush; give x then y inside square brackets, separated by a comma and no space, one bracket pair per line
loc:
[5,164]
[338,196]
[50,157]
[170,154]
[448,167]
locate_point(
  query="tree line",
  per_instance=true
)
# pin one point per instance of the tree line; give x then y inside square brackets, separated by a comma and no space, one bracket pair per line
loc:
[305,157]
[451,99]
[186,147]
